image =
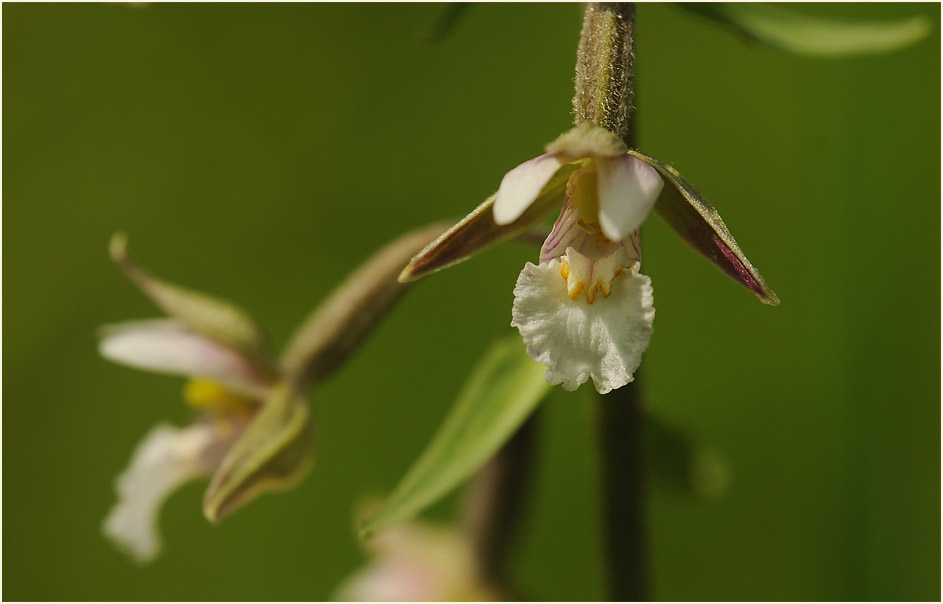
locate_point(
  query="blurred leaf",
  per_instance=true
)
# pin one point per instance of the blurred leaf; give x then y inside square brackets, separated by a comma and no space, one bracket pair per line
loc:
[448,19]
[809,35]
[334,330]
[274,452]
[699,224]
[678,463]
[501,392]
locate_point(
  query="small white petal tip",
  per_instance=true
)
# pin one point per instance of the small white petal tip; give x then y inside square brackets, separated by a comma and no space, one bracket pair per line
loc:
[521,186]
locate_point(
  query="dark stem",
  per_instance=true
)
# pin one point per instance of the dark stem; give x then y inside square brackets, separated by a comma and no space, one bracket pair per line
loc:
[605,89]
[494,501]
[620,434]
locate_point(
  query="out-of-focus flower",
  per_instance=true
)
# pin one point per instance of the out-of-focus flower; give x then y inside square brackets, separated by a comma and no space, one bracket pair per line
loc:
[253,430]
[418,562]
[235,386]
[585,311]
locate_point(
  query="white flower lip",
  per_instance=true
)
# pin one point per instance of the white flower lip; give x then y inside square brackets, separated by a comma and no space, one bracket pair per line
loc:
[628,189]
[578,340]
[522,185]
[165,460]
[166,346]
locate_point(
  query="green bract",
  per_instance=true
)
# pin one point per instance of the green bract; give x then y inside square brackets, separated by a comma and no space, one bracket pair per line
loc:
[500,393]
[809,35]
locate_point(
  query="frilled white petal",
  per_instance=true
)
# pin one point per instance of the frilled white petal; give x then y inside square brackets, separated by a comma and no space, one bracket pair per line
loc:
[628,188]
[577,340]
[166,346]
[521,186]
[166,459]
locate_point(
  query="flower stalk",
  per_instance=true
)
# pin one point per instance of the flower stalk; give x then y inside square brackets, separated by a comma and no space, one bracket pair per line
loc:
[605,67]
[604,92]
[494,501]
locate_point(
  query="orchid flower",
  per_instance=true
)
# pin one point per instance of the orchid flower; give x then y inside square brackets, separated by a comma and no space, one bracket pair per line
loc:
[251,433]
[253,429]
[585,311]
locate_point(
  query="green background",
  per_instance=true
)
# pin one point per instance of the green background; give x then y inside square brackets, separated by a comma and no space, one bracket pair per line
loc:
[259,152]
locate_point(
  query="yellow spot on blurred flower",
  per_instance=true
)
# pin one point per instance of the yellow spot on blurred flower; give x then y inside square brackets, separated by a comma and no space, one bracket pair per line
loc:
[201,393]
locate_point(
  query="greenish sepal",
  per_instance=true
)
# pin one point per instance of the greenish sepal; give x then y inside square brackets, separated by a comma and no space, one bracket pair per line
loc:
[679,464]
[273,453]
[334,330]
[794,32]
[478,231]
[217,319]
[502,390]
[696,221]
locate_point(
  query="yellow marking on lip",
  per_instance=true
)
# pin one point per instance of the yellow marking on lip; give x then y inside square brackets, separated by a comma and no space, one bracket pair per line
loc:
[202,393]
[575,293]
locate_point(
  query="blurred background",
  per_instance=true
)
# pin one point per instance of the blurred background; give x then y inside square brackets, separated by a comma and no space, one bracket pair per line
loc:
[259,152]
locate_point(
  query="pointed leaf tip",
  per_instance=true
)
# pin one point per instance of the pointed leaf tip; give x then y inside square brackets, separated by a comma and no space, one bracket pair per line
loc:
[118,246]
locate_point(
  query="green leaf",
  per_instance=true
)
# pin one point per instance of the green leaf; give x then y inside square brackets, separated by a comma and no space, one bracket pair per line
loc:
[696,221]
[212,317]
[273,453]
[814,36]
[501,392]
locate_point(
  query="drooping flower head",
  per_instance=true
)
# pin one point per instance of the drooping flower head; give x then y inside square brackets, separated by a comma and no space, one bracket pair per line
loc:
[585,311]
[252,429]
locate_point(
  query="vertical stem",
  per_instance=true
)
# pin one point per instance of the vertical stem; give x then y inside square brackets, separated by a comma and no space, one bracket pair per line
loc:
[605,89]
[494,502]
[620,434]
[605,67]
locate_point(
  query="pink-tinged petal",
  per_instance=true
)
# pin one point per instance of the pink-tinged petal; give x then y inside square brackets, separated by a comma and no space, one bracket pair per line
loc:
[208,315]
[418,562]
[522,185]
[569,231]
[167,346]
[628,188]
[696,221]
[165,460]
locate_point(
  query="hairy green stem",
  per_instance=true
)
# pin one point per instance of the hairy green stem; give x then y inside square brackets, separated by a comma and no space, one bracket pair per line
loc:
[605,67]
[605,73]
